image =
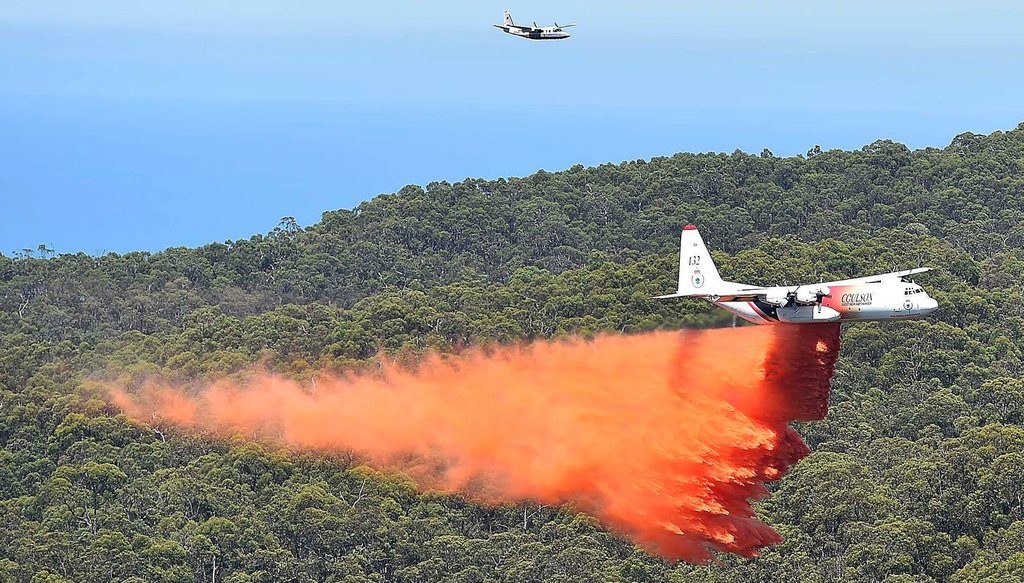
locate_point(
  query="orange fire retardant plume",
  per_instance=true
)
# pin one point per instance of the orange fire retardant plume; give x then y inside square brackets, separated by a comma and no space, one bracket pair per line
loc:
[665,437]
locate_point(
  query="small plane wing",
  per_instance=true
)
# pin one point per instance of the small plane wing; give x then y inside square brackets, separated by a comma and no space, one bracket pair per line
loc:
[517,26]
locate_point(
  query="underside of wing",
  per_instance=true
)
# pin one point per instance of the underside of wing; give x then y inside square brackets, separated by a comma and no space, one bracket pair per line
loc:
[776,296]
[730,294]
[744,295]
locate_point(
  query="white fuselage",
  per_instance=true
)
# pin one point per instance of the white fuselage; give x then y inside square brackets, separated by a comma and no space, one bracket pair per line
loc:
[548,33]
[845,302]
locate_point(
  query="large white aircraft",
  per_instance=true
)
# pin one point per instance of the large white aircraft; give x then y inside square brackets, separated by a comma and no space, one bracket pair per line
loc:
[534,32]
[889,296]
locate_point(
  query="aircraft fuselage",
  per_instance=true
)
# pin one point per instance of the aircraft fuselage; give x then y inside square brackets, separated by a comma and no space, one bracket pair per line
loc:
[844,303]
[536,34]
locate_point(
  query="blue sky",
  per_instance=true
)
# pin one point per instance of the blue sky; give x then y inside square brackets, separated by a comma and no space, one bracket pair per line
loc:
[130,125]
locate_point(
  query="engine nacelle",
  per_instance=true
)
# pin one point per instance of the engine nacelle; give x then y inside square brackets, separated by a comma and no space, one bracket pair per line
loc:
[810,294]
[778,300]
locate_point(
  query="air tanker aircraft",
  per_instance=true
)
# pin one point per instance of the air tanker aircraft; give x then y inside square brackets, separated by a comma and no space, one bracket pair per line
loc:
[534,32]
[890,296]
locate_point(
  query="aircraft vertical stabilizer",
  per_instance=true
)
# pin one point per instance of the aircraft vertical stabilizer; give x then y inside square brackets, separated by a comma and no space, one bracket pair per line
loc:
[697,272]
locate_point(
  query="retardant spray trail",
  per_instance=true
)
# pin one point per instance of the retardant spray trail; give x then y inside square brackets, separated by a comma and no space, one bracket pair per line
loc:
[664,437]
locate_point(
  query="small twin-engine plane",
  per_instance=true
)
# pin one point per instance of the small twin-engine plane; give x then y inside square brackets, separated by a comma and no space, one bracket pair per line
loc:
[890,296]
[534,32]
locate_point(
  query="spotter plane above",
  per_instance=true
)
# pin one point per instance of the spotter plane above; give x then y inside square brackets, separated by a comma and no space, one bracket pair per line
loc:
[889,296]
[534,32]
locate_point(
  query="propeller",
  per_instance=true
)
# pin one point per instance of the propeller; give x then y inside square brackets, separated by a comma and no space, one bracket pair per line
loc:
[810,295]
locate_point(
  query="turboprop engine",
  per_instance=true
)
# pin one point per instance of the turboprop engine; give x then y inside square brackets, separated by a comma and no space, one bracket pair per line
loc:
[811,294]
[779,299]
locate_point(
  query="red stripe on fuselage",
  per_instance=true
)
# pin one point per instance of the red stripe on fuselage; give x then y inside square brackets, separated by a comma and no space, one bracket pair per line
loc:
[760,313]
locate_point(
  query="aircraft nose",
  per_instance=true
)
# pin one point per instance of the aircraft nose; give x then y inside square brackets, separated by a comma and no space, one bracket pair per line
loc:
[929,305]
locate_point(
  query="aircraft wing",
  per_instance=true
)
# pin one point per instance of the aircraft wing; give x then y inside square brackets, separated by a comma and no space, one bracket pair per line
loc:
[737,294]
[731,292]
[516,26]
[884,276]
[807,294]
[748,294]
[909,272]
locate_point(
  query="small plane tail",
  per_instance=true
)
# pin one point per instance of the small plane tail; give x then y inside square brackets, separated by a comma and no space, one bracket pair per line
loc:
[698,275]
[508,19]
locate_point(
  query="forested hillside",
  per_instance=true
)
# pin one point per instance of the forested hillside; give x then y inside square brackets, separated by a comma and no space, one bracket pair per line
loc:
[916,475]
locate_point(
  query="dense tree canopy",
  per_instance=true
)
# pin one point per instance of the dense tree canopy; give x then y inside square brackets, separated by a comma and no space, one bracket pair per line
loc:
[918,471]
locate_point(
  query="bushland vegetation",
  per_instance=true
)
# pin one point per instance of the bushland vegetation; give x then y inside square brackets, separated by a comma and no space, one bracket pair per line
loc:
[917,473]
